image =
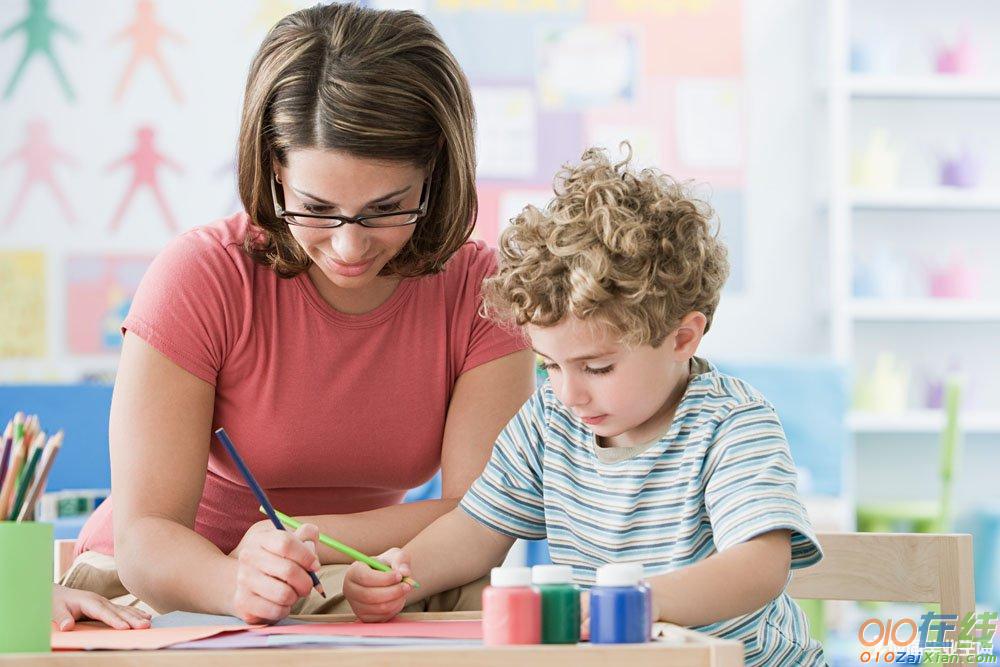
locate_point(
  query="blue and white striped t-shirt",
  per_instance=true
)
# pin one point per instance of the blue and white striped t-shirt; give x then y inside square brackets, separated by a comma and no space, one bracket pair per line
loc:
[721,475]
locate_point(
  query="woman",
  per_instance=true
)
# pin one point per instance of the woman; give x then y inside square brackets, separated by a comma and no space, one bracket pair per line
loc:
[332,329]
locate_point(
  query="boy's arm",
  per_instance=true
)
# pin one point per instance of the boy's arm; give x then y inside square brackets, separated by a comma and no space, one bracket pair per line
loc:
[733,582]
[453,551]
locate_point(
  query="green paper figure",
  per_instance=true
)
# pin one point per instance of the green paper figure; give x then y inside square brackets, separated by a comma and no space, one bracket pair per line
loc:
[38,28]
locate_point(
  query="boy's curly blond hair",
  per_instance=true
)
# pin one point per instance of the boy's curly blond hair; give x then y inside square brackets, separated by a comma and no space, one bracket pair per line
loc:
[630,250]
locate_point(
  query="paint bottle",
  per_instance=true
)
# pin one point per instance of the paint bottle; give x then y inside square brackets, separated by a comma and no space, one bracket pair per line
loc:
[560,603]
[620,605]
[512,610]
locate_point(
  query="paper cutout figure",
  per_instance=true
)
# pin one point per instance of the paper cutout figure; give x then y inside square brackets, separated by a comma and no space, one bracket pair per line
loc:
[39,156]
[146,34]
[145,161]
[39,29]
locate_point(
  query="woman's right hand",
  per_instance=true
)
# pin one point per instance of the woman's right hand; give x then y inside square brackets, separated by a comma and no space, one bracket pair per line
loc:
[375,596]
[273,572]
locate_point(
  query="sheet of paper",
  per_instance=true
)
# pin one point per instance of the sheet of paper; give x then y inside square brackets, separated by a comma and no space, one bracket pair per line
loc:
[86,636]
[394,628]
[336,640]
[228,641]
[190,619]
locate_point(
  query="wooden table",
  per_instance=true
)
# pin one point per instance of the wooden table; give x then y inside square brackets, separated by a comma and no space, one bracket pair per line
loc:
[679,648]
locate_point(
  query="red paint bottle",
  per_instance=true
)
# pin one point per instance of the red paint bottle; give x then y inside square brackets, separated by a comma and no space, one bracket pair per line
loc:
[512,610]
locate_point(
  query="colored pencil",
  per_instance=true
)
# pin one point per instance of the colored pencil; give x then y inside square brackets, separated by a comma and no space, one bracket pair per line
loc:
[17,457]
[27,479]
[259,492]
[36,490]
[8,444]
[343,548]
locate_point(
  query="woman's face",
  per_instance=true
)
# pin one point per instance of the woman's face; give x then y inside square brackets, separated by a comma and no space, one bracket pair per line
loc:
[350,257]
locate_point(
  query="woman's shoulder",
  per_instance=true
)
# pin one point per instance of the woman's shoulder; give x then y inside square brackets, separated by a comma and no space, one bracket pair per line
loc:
[220,237]
[212,251]
[467,268]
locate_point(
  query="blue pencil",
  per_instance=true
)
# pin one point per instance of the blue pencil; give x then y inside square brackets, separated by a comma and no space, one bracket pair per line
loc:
[259,492]
[8,445]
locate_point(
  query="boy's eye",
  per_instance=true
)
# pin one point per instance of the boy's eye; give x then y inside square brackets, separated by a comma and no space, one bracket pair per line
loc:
[550,367]
[600,371]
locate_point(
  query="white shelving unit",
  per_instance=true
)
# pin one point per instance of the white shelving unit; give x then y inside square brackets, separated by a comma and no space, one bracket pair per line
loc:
[845,202]
[920,421]
[927,199]
[923,310]
[946,87]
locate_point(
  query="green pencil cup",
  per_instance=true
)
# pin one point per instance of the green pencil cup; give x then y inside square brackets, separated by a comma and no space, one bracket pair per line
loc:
[25,587]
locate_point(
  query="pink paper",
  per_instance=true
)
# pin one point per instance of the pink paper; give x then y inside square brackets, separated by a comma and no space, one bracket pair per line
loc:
[394,628]
[86,636]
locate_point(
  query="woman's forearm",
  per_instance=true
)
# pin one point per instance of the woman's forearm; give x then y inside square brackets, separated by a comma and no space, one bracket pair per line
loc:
[169,566]
[375,531]
[728,584]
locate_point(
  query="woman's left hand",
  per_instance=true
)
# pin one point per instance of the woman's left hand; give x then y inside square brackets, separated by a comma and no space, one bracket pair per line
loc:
[69,604]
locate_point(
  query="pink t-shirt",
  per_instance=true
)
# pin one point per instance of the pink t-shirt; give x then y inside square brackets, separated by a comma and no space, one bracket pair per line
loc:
[333,413]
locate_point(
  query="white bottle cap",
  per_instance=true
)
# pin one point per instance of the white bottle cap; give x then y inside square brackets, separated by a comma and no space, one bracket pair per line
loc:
[619,574]
[552,574]
[509,577]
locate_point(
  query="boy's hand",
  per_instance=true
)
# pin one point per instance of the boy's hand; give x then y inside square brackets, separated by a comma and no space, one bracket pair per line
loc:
[69,604]
[376,596]
[584,615]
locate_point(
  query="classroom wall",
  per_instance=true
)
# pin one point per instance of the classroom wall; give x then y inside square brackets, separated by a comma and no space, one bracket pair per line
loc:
[90,261]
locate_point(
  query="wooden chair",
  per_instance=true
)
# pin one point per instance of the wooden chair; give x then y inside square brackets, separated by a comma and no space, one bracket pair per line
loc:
[892,567]
[62,558]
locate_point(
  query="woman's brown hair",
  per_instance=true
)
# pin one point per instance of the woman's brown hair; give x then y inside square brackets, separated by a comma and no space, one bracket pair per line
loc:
[379,85]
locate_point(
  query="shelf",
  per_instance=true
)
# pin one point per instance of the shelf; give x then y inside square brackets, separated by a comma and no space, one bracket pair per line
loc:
[932,199]
[924,310]
[930,87]
[921,421]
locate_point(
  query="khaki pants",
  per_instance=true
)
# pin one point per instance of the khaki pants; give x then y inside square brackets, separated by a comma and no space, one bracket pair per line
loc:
[92,571]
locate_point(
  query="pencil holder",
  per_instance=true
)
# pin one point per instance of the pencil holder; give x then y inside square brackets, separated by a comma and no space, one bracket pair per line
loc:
[25,587]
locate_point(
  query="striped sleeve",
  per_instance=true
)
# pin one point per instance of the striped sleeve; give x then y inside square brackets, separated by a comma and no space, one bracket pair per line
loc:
[507,497]
[751,484]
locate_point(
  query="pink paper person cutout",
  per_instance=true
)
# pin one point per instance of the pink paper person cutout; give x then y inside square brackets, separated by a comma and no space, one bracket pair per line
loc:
[39,156]
[145,161]
[146,34]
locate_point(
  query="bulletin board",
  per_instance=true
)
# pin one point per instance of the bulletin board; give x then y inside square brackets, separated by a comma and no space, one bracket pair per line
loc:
[122,118]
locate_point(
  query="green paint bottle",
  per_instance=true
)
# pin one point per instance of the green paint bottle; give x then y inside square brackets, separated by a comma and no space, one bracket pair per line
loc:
[560,603]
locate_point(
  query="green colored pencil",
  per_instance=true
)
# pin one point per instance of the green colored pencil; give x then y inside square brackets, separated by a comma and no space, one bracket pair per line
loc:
[26,480]
[342,548]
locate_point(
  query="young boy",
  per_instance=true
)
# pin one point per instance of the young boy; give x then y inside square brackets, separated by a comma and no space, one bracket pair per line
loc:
[635,449]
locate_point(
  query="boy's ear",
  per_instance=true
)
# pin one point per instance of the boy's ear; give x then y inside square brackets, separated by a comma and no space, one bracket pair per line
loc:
[689,333]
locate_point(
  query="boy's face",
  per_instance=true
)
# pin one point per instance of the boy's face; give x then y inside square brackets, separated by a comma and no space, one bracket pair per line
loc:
[625,396]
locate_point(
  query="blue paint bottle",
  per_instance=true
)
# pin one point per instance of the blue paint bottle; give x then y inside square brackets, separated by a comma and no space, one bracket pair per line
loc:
[620,605]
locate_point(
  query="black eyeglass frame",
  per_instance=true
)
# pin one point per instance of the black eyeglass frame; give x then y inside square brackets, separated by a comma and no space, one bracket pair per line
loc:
[281,212]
